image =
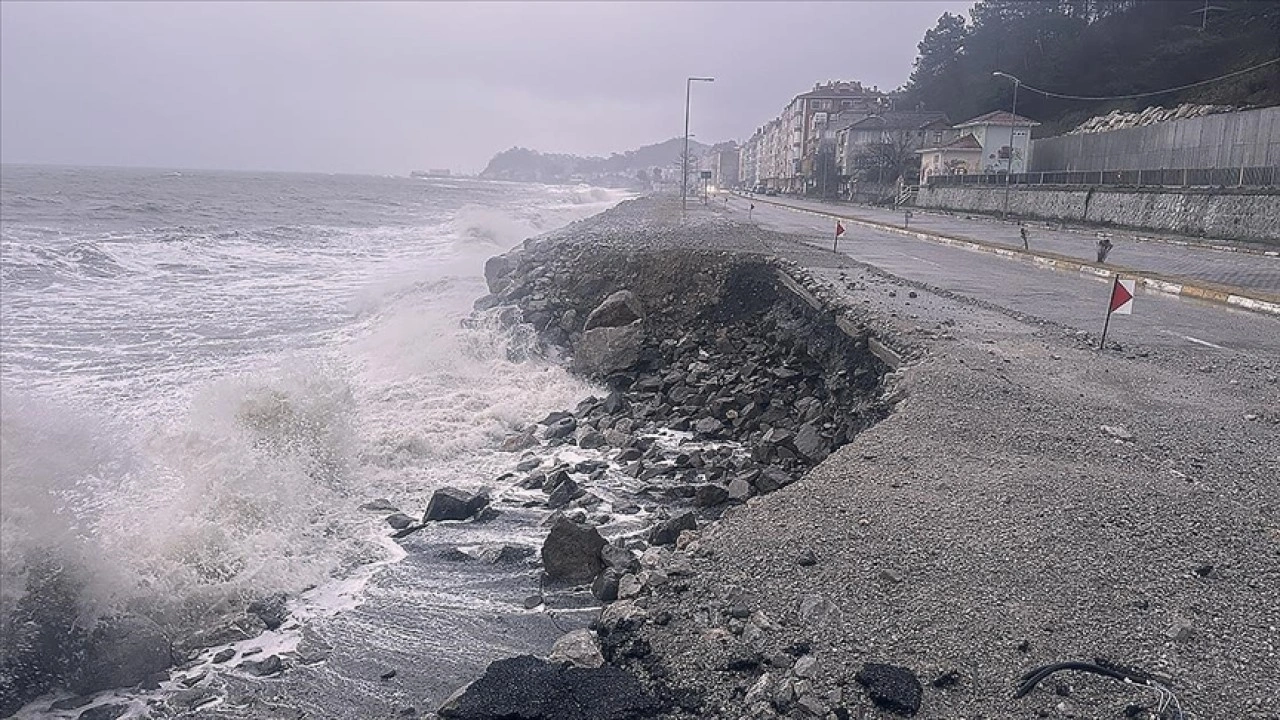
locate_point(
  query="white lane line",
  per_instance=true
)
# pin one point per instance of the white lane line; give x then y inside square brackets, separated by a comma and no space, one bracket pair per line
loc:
[1198,341]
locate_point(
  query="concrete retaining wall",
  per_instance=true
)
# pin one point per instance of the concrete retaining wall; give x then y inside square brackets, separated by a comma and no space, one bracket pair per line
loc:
[1233,214]
[1230,140]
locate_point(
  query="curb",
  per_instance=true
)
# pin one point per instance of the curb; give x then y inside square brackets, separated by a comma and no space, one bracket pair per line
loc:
[1171,286]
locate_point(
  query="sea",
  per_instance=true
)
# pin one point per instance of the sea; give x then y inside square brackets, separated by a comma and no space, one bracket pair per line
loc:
[204,375]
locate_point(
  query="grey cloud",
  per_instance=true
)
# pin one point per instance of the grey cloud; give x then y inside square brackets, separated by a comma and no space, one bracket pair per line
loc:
[388,87]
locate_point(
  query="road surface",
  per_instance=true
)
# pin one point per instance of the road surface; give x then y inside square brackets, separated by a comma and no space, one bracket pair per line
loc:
[1067,298]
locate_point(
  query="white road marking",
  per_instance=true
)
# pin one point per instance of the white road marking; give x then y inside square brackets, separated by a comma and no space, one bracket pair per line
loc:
[1198,341]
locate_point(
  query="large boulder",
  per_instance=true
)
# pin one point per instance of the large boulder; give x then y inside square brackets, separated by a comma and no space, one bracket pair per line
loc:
[496,268]
[571,552]
[122,650]
[619,309]
[526,688]
[450,503]
[605,350]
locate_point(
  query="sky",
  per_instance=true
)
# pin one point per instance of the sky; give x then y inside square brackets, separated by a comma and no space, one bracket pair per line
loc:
[391,87]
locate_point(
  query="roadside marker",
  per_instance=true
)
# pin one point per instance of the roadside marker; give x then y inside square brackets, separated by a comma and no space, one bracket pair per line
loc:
[1121,303]
[839,231]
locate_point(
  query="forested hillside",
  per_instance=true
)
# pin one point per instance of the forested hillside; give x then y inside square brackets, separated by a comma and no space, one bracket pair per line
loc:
[1096,48]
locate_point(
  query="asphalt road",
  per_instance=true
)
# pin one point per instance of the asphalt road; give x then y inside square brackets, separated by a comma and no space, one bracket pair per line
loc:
[1245,270]
[1067,298]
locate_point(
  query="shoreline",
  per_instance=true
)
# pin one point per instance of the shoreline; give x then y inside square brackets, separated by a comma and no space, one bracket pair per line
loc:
[730,638]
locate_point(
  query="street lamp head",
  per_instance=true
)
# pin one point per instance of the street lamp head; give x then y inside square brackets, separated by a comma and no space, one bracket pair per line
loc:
[701,79]
[997,73]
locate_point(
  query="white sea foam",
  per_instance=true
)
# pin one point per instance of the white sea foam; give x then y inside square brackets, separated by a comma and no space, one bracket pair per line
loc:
[204,411]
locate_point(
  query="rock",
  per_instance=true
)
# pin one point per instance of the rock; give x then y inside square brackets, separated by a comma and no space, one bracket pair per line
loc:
[532,602]
[709,427]
[710,495]
[619,309]
[577,648]
[603,350]
[812,703]
[807,559]
[270,610]
[1118,432]
[810,444]
[270,665]
[619,558]
[629,586]
[621,616]
[667,532]
[223,655]
[399,521]
[563,493]
[449,503]
[379,505]
[606,585]
[104,712]
[571,552]
[739,489]
[591,440]
[122,650]
[889,576]
[950,678]
[771,479]
[806,666]
[891,688]
[527,688]
[561,427]
[496,268]
[388,674]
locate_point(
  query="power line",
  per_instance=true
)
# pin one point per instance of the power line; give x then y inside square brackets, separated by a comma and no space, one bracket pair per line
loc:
[1048,93]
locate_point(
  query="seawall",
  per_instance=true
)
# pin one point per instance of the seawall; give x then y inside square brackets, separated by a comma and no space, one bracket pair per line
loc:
[1231,214]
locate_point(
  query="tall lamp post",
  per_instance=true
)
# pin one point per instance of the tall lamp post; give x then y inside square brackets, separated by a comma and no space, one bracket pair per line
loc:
[1012,131]
[684,169]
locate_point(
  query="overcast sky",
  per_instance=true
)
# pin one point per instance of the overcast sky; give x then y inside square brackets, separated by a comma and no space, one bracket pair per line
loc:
[386,88]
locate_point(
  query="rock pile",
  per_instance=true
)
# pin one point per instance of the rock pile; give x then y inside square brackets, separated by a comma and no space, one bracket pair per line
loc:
[1118,120]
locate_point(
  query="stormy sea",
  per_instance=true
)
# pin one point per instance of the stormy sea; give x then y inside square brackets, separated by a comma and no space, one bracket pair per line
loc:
[205,376]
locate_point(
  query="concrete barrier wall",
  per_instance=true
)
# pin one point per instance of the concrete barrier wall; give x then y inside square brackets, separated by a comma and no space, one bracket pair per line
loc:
[1250,138]
[1234,214]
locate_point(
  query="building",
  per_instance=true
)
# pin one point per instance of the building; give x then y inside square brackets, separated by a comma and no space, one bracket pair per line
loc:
[725,167]
[961,156]
[786,148]
[880,148]
[1005,139]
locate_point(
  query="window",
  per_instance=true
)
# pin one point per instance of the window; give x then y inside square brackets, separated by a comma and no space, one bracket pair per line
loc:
[846,103]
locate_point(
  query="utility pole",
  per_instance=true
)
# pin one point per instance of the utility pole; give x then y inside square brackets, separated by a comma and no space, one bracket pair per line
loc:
[1008,176]
[684,165]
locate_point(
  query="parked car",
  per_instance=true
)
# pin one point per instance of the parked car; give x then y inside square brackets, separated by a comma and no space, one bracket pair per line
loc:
[771,193]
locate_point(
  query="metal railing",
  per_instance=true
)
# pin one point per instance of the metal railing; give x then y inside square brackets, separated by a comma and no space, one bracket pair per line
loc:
[1176,177]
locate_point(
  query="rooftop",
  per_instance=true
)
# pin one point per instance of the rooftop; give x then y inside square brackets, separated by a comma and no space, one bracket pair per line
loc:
[999,117]
[900,120]
[964,142]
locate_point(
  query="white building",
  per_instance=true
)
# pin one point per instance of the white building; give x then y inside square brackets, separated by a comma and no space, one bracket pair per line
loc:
[1005,139]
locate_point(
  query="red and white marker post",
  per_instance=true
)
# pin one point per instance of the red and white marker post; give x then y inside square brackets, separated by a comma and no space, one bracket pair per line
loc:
[1121,304]
[835,244]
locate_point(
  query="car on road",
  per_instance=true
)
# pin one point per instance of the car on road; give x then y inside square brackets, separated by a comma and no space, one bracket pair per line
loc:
[771,193]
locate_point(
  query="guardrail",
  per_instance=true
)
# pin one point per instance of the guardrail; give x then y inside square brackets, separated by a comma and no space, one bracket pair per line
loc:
[1176,177]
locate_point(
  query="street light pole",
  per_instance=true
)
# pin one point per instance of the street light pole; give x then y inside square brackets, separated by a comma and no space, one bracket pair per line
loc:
[1012,133]
[684,165]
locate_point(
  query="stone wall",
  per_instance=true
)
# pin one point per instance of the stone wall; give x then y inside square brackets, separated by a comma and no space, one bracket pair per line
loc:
[1233,214]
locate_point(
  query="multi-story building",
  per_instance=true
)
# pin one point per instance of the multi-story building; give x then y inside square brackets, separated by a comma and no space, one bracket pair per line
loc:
[724,167]
[790,143]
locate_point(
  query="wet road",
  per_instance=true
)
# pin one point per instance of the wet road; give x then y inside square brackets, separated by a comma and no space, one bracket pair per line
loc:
[1069,298]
